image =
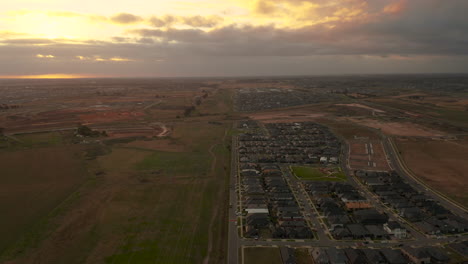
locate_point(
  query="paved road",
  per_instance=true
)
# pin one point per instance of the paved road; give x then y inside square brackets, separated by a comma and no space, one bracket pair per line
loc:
[308,207]
[233,237]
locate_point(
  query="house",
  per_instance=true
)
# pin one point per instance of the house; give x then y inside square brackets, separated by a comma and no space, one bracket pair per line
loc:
[413,214]
[427,228]
[370,216]
[257,210]
[416,255]
[287,255]
[258,220]
[338,221]
[355,256]
[358,231]
[393,256]
[357,205]
[320,256]
[437,255]
[376,231]
[373,256]
[341,233]
[336,256]
[395,229]
[461,248]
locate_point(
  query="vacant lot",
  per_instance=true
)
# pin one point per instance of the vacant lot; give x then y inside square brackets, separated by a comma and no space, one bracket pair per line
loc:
[441,164]
[33,183]
[367,155]
[262,256]
[318,173]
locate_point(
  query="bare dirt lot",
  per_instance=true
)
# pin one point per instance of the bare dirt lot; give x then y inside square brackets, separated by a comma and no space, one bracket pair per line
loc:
[363,106]
[288,115]
[441,164]
[367,155]
[398,128]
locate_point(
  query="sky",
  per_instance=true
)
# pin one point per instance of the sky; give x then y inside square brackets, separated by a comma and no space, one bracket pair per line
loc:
[165,38]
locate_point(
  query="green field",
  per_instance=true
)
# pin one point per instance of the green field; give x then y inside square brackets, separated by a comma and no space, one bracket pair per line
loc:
[318,174]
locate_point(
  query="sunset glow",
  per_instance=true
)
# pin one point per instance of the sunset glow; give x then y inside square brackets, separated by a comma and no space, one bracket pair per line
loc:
[166,38]
[50,76]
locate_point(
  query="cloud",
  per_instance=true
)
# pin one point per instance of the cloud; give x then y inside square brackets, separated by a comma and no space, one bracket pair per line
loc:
[126,18]
[396,7]
[295,36]
[45,56]
[192,21]
[98,58]
[264,7]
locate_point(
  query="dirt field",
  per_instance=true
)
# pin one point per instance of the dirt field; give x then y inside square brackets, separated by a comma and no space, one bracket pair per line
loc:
[367,155]
[441,164]
[398,128]
[363,106]
[33,183]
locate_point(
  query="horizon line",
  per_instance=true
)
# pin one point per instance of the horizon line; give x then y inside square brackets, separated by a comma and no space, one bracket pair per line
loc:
[60,76]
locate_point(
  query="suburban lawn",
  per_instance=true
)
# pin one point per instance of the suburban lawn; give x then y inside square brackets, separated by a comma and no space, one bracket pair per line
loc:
[318,174]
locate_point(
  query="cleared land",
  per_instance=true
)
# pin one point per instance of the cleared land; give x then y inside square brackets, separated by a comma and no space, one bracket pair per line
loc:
[367,155]
[262,256]
[319,173]
[441,164]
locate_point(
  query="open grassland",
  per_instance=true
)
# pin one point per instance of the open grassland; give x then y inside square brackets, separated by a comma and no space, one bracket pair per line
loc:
[34,182]
[318,173]
[265,255]
[162,200]
[441,164]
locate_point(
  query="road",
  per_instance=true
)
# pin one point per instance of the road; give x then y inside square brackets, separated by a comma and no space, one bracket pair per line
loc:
[233,236]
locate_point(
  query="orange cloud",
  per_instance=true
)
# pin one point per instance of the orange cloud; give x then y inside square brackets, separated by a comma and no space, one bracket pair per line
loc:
[395,8]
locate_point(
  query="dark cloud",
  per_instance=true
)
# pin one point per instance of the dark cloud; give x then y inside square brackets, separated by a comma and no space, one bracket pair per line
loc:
[193,21]
[411,36]
[126,18]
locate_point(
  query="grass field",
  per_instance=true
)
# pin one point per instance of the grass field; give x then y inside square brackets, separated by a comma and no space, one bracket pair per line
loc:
[150,201]
[262,256]
[318,174]
[33,183]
